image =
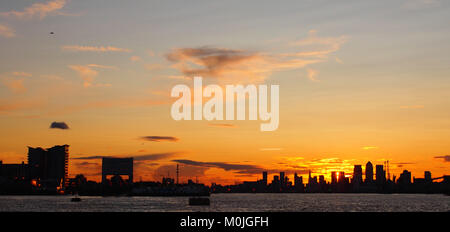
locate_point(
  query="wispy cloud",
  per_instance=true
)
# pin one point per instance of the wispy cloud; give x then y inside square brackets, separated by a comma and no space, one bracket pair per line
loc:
[10,107]
[312,73]
[222,125]
[6,31]
[101,66]
[88,73]
[413,107]
[135,58]
[77,48]
[249,66]
[239,168]
[419,4]
[271,149]
[401,164]
[238,66]
[318,46]
[369,147]
[153,67]
[179,77]
[156,156]
[21,74]
[39,10]
[322,166]
[338,60]
[147,157]
[114,103]
[188,171]
[14,85]
[95,157]
[159,138]
[445,158]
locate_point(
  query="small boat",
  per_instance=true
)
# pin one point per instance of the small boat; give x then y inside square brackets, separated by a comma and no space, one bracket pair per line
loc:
[199,201]
[75,199]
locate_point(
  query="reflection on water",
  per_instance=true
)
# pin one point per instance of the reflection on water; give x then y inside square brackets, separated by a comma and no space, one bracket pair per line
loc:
[233,203]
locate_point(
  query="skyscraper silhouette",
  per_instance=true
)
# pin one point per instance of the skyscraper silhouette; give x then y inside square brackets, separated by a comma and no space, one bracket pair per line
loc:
[357,174]
[264,178]
[49,166]
[380,174]
[333,177]
[369,172]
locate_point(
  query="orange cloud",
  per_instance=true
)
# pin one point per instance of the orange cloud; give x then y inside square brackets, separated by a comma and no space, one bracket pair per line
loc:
[40,10]
[15,85]
[369,147]
[445,158]
[11,107]
[87,73]
[152,67]
[312,74]
[21,74]
[271,149]
[318,46]
[238,66]
[222,125]
[120,103]
[160,138]
[135,58]
[77,48]
[6,31]
[413,107]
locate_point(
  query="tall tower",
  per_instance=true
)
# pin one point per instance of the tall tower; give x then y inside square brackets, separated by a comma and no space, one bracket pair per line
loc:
[264,178]
[178,172]
[380,174]
[282,179]
[369,172]
[333,177]
[387,170]
[357,174]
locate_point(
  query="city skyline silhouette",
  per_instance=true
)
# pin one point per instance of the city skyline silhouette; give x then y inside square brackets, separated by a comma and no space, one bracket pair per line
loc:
[357,82]
[46,172]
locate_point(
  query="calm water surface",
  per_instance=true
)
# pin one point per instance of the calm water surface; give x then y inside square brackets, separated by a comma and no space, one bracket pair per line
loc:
[233,203]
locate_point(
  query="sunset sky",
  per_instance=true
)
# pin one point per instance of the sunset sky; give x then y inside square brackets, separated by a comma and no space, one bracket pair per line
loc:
[359,81]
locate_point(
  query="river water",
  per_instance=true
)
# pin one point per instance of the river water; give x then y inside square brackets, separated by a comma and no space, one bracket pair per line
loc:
[234,203]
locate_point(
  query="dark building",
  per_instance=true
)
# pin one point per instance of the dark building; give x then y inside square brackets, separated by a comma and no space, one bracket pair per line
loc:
[14,171]
[427,176]
[333,178]
[313,185]
[49,166]
[276,179]
[380,174]
[275,185]
[264,179]
[117,167]
[357,174]
[341,178]
[298,180]
[298,183]
[322,180]
[369,172]
[405,177]
[282,179]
